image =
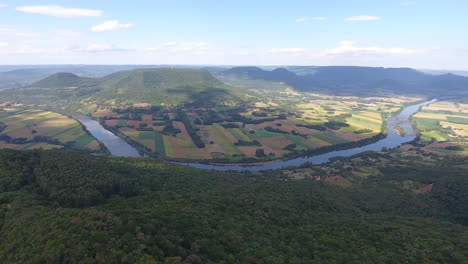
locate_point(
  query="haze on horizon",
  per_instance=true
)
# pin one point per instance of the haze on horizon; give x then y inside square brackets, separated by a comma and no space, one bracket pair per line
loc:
[419,34]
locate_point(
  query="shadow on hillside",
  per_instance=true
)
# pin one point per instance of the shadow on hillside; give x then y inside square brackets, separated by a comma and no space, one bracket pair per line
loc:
[206,98]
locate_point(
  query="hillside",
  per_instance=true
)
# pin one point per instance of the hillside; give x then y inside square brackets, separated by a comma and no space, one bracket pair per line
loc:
[115,210]
[158,86]
[63,80]
[358,81]
[169,86]
[20,75]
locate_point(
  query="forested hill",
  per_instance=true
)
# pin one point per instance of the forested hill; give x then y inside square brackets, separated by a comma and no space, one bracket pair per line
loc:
[358,80]
[166,86]
[63,80]
[66,207]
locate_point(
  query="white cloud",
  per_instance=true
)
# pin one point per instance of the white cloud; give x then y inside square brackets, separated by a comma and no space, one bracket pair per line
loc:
[111,25]
[363,18]
[303,19]
[3,5]
[345,48]
[60,11]
[170,44]
[3,44]
[349,48]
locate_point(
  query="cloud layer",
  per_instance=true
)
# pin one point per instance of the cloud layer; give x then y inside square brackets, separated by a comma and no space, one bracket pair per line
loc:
[60,11]
[111,25]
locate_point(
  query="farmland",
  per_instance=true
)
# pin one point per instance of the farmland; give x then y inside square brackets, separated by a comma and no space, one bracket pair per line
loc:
[36,129]
[281,126]
[444,125]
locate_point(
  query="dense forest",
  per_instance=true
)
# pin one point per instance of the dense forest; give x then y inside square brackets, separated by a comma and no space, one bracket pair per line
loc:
[99,209]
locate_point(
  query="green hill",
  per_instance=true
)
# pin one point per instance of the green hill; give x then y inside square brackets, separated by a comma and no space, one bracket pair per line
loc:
[64,80]
[158,86]
[167,86]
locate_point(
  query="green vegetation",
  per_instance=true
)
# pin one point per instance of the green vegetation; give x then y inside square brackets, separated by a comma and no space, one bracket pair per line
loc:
[113,210]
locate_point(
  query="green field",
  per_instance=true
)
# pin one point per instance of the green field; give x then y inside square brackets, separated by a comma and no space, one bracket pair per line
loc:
[37,129]
[443,121]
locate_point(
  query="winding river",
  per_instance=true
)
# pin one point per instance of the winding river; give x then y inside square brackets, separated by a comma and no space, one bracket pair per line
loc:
[118,147]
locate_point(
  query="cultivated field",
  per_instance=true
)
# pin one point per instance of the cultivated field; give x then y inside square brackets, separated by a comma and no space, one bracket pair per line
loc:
[282,125]
[445,124]
[36,129]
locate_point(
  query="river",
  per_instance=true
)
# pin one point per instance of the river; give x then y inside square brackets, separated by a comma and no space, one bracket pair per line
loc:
[116,145]
[119,147]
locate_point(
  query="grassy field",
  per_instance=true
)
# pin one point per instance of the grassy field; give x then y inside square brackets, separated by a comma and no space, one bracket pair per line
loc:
[37,129]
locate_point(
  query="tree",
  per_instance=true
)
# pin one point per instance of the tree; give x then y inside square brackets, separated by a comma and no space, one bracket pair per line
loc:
[260,153]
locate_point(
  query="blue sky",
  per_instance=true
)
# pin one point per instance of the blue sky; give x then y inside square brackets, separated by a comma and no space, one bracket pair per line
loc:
[390,33]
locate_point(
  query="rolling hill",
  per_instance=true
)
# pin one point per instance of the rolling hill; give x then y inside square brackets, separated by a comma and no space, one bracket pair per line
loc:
[167,86]
[360,81]
[157,86]
[64,80]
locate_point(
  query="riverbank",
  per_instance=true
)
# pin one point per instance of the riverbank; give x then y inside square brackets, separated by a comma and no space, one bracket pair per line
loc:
[392,140]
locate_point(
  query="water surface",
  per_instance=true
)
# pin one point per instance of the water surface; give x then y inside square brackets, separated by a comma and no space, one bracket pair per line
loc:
[116,145]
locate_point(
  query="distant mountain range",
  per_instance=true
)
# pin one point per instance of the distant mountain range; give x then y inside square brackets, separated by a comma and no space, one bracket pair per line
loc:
[181,85]
[364,81]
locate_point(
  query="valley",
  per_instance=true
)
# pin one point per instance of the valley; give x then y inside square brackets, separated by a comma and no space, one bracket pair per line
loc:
[233,116]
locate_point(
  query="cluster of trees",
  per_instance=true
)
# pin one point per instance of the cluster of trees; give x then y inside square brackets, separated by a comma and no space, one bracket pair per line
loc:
[455,148]
[275,130]
[259,114]
[316,127]
[191,129]
[230,125]
[362,131]
[36,139]
[241,142]
[209,117]
[90,209]
[170,130]
[335,125]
